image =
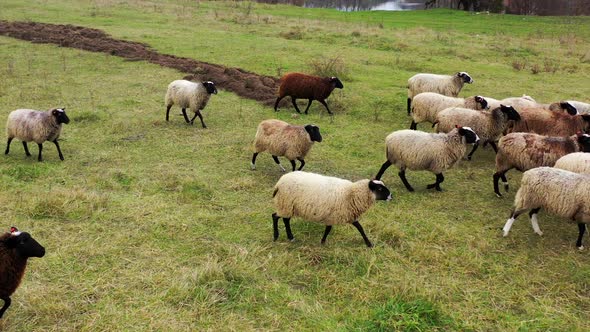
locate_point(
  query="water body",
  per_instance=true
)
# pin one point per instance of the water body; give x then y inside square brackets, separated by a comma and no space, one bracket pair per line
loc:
[355,5]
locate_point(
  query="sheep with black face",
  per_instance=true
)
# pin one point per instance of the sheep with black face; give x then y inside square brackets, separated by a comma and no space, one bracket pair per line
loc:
[448,85]
[191,95]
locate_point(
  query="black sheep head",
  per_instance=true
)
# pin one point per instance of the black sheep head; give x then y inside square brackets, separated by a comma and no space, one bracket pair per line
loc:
[510,112]
[210,86]
[336,82]
[380,190]
[584,141]
[482,101]
[314,132]
[469,135]
[466,78]
[24,244]
[60,115]
[571,109]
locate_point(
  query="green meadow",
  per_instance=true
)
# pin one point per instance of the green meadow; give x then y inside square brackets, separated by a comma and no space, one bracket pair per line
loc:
[160,226]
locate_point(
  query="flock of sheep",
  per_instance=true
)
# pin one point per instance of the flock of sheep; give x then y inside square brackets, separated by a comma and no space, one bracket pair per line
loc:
[549,142]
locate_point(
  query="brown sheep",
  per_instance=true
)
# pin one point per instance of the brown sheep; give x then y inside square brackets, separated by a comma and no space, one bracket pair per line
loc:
[298,85]
[15,248]
[550,123]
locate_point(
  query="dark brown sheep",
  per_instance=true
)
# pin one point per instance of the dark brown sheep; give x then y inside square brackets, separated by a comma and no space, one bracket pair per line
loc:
[298,85]
[549,123]
[15,248]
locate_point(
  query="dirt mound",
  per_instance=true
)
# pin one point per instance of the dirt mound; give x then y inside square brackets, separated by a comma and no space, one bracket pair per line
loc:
[243,83]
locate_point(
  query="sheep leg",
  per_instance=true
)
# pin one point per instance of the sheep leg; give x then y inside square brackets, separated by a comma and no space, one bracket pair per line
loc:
[185,116]
[302,163]
[293,100]
[475,146]
[581,230]
[39,158]
[439,179]
[168,112]
[409,105]
[326,106]
[494,146]
[533,215]
[402,175]
[7,302]
[308,104]
[275,226]
[515,213]
[413,125]
[61,156]
[198,113]
[287,223]
[276,159]
[384,167]
[8,144]
[253,164]
[497,176]
[326,232]
[27,153]
[292,165]
[360,229]
[277,103]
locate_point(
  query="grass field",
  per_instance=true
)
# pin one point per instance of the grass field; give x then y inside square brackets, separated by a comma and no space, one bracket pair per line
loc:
[156,226]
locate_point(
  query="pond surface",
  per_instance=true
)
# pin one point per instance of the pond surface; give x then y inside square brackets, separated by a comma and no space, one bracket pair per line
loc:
[355,5]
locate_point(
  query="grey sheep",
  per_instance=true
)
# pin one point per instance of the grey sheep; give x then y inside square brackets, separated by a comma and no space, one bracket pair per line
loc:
[426,106]
[36,126]
[282,139]
[191,95]
[418,150]
[560,192]
[577,162]
[324,199]
[448,85]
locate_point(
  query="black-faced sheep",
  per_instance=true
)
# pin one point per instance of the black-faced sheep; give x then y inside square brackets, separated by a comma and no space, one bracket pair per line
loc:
[524,151]
[36,126]
[303,86]
[426,106]
[418,150]
[191,95]
[577,162]
[448,85]
[580,106]
[560,192]
[489,125]
[15,248]
[282,139]
[325,199]
[549,123]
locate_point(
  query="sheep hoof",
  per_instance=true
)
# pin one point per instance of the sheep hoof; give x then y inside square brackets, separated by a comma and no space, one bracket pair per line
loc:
[581,248]
[540,233]
[498,195]
[252,167]
[469,158]
[505,234]
[292,240]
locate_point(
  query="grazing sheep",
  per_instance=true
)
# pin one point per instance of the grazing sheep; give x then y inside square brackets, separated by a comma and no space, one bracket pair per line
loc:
[583,108]
[426,105]
[448,85]
[578,162]
[549,123]
[283,139]
[298,85]
[15,248]
[325,199]
[37,126]
[489,125]
[524,151]
[560,192]
[191,95]
[418,150]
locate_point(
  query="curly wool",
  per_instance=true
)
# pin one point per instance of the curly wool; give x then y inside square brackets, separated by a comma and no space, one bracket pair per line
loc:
[187,94]
[448,85]
[426,105]
[321,198]
[550,123]
[578,162]
[489,125]
[282,139]
[30,125]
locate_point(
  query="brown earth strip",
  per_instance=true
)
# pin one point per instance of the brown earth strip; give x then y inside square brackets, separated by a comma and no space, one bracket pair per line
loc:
[243,83]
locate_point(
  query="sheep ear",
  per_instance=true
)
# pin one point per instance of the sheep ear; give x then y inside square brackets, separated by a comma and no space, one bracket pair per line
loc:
[13,229]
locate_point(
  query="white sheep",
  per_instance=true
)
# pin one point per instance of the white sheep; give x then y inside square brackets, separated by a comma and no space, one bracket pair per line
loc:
[418,150]
[191,95]
[426,105]
[560,192]
[577,162]
[325,199]
[282,139]
[36,126]
[448,85]
[489,125]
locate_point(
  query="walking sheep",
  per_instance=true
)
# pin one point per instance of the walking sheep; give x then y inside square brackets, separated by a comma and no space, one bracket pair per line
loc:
[283,139]
[524,151]
[36,126]
[549,123]
[303,86]
[448,85]
[418,150]
[325,199]
[15,248]
[427,105]
[578,162]
[489,125]
[191,95]
[560,192]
